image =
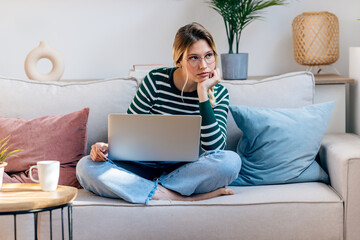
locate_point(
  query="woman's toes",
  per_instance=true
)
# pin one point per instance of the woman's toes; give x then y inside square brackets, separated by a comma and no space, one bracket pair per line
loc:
[228,191]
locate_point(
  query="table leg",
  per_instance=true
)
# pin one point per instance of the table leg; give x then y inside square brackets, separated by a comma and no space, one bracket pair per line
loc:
[50,214]
[36,220]
[70,222]
[62,223]
[15,226]
[35,226]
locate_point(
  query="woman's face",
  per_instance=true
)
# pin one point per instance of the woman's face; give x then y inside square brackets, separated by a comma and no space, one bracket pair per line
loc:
[199,61]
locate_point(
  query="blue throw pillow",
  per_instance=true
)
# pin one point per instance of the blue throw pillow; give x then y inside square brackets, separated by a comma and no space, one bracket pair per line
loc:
[279,145]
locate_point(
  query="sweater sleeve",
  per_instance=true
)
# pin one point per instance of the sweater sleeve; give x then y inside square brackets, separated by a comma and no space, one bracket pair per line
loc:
[214,119]
[145,96]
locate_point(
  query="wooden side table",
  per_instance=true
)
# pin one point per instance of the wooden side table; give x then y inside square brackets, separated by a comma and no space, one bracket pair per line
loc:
[25,198]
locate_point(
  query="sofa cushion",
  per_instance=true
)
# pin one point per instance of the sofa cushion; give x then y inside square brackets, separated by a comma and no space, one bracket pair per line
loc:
[31,99]
[261,212]
[313,192]
[60,137]
[289,90]
[279,145]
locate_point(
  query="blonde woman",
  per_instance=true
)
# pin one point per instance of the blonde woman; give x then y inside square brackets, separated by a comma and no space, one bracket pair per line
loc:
[189,88]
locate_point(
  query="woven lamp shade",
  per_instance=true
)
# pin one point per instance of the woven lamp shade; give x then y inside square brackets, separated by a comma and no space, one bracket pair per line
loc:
[316,38]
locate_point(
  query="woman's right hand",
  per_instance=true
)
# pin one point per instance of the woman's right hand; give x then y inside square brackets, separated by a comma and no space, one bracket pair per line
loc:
[99,152]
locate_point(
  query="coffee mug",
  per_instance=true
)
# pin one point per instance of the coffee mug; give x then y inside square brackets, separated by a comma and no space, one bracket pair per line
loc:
[48,172]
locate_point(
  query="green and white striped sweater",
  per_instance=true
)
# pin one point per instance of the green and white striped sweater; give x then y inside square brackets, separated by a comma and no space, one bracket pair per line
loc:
[157,94]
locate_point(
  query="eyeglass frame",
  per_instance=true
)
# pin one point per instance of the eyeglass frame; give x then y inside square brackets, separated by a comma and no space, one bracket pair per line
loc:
[200,59]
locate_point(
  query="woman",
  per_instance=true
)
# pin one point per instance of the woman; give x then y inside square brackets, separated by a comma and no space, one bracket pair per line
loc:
[190,88]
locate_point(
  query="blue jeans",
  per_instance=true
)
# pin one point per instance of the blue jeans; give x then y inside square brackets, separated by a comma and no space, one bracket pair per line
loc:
[136,182]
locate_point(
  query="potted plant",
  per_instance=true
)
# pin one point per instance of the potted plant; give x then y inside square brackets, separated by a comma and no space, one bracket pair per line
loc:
[4,154]
[238,14]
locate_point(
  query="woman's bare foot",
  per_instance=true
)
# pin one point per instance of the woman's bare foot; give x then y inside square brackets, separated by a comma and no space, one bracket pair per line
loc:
[164,193]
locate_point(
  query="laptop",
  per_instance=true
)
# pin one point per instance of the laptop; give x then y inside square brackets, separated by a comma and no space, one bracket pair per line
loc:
[135,137]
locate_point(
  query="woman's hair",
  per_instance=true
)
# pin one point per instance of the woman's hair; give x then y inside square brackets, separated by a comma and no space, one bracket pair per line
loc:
[184,38]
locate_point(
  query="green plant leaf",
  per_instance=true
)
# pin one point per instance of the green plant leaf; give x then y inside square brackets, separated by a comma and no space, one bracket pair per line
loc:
[238,14]
[3,151]
[4,142]
[12,153]
[4,147]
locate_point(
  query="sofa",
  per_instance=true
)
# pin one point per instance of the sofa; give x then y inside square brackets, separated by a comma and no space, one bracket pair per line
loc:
[306,210]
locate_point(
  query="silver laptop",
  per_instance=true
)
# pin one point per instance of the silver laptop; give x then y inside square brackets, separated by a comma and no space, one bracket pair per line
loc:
[153,137]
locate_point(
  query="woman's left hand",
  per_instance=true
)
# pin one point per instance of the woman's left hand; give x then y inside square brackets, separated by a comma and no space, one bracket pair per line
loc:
[206,84]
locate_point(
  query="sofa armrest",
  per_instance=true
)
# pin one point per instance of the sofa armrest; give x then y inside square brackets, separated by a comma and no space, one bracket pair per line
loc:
[340,156]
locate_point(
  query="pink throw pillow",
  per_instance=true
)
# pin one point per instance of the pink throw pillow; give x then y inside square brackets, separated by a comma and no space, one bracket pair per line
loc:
[61,138]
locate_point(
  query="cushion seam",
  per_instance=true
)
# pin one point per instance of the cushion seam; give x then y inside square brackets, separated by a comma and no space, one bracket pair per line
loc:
[207,205]
[66,83]
[274,78]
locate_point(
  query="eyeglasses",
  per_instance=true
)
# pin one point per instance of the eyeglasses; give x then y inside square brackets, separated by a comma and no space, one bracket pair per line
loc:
[195,61]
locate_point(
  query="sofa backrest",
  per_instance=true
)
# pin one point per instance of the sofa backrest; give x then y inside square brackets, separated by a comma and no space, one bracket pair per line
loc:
[290,90]
[31,99]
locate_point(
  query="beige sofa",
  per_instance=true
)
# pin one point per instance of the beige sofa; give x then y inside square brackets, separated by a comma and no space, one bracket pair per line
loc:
[310,210]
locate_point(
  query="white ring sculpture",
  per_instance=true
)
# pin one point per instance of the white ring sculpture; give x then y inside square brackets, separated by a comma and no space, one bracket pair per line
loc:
[44,51]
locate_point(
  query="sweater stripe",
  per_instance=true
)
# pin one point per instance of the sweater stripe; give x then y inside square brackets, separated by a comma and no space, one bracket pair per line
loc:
[137,98]
[208,126]
[220,116]
[163,83]
[146,98]
[212,142]
[161,74]
[210,134]
[174,109]
[151,83]
[178,96]
[178,103]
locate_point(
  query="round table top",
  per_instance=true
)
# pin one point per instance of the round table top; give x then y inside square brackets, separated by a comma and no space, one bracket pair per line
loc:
[29,196]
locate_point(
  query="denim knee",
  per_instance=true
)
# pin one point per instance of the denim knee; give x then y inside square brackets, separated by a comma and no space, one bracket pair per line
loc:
[86,169]
[230,164]
[225,164]
[81,165]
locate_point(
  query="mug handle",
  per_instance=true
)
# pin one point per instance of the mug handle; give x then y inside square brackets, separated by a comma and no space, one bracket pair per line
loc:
[30,174]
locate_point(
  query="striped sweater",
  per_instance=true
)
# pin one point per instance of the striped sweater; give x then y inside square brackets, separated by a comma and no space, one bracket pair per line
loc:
[158,94]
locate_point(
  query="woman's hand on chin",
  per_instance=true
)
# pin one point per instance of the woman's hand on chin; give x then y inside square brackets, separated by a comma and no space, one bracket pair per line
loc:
[206,84]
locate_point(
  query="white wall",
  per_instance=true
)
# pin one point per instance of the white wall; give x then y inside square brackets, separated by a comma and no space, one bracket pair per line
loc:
[104,38]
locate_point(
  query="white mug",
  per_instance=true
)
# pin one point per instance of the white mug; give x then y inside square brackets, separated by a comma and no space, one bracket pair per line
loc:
[48,172]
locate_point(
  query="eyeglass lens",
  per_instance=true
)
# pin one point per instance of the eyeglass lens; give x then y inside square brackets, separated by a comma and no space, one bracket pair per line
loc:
[195,60]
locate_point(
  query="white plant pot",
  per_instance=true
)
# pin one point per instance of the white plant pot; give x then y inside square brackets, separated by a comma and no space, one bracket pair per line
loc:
[2,168]
[354,72]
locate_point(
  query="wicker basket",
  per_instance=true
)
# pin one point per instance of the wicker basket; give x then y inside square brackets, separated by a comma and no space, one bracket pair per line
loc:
[316,38]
